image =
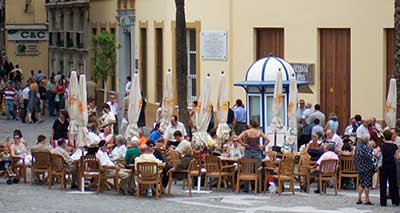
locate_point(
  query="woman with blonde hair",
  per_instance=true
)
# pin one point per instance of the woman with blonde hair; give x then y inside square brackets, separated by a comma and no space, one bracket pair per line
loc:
[333,123]
[33,102]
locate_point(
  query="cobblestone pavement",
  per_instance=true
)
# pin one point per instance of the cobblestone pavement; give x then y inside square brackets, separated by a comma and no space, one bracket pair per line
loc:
[37,198]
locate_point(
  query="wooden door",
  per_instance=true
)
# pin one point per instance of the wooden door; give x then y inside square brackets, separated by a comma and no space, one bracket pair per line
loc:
[270,41]
[159,63]
[390,39]
[335,74]
[143,61]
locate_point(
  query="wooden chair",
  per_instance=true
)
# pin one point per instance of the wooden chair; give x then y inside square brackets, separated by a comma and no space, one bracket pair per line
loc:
[187,175]
[41,163]
[304,170]
[347,169]
[247,171]
[89,168]
[105,174]
[328,171]
[148,173]
[285,173]
[19,168]
[58,170]
[269,165]
[214,168]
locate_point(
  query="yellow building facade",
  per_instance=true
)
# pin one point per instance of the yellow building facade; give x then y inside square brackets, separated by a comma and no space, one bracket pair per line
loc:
[299,31]
[26,36]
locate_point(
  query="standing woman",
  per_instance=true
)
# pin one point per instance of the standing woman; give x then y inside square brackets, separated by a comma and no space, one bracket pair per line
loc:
[33,102]
[59,99]
[333,123]
[250,139]
[364,163]
[388,169]
[60,128]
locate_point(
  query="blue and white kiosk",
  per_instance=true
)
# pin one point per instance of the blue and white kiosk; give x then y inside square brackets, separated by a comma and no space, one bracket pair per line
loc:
[259,86]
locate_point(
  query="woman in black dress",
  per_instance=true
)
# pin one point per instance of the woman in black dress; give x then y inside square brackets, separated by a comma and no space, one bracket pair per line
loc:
[60,127]
[388,170]
[364,163]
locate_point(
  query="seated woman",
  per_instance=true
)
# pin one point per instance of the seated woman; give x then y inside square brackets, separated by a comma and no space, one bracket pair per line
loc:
[19,150]
[314,148]
[235,150]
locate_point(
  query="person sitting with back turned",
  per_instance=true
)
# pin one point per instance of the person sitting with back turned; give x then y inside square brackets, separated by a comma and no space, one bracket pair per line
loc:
[133,151]
[62,149]
[328,155]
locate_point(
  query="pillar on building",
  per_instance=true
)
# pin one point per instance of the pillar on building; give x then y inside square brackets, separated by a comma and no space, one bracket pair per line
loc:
[126,52]
[66,61]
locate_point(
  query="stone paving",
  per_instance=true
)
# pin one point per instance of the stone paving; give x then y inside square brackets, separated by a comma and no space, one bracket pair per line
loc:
[37,198]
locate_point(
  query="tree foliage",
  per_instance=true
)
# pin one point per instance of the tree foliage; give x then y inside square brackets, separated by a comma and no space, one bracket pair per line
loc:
[105,55]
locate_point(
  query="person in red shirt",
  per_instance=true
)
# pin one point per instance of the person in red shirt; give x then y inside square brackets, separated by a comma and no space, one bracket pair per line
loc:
[9,96]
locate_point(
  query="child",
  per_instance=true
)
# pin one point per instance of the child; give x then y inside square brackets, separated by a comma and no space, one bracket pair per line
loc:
[6,159]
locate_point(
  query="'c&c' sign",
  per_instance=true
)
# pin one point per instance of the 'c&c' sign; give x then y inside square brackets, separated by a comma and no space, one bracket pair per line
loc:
[27,35]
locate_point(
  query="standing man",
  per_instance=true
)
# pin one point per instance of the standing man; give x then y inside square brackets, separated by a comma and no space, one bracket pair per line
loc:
[362,130]
[51,95]
[114,109]
[317,114]
[108,119]
[301,109]
[231,116]
[240,117]
[25,97]
[9,96]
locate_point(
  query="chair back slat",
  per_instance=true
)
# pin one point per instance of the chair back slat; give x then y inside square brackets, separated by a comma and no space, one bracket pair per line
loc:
[90,163]
[213,164]
[41,160]
[57,163]
[347,164]
[193,166]
[328,167]
[286,167]
[248,166]
[147,171]
[271,154]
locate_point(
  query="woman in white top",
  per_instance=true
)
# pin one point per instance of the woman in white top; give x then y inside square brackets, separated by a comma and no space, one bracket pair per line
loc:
[19,150]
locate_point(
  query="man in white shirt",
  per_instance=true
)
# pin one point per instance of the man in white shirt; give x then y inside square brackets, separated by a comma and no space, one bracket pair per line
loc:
[376,125]
[317,114]
[119,152]
[25,96]
[334,138]
[174,125]
[115,110]
[308,111]
[362,130]
[108,119]
[110,168]
[183,144]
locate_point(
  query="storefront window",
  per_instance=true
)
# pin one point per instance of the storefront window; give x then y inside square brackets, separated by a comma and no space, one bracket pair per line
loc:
[270,100]
[255,108]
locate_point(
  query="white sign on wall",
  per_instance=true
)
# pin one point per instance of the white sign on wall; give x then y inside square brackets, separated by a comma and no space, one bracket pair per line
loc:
[28,35]
[213,45]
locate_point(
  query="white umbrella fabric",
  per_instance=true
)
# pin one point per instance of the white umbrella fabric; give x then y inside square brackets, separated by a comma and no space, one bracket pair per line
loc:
[203,113]
[276,123]
[83,134]
[291,134]
[73,104]
[390,106]
[167,102]
[134,106]
[223,129]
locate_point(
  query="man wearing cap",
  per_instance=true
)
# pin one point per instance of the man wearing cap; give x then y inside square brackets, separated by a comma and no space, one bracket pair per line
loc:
[111,168]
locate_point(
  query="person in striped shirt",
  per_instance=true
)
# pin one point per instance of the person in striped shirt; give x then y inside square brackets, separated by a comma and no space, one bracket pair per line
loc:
[9,96]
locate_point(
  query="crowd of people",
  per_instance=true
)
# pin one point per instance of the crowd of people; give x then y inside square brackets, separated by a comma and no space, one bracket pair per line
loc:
[373,147]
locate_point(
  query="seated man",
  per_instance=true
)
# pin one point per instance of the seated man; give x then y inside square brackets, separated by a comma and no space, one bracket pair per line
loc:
[133,151]
[118,153]
[183,164]
[328,155]
[111,168]
[106,135]
[62,149]
[183,144]
[40,145]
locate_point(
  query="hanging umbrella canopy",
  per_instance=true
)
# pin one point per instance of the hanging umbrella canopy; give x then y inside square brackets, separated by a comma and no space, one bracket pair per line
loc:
[134,106]
[291,134]
[167,102]
[73,103]
[83,135]
[390,106]
[203,113]
[223,129]
[276,123]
